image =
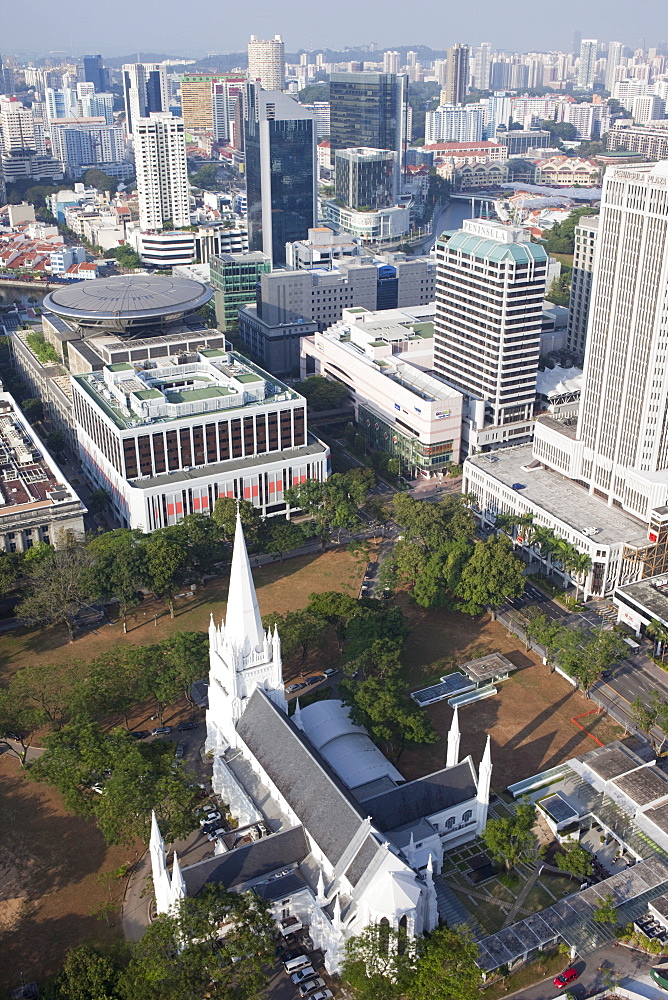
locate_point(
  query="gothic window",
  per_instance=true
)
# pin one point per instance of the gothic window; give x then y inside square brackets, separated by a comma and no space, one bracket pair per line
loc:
[449,823]
[467,816]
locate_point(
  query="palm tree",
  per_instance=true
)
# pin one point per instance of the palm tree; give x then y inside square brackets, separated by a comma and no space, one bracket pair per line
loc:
[544,540]
[659,632]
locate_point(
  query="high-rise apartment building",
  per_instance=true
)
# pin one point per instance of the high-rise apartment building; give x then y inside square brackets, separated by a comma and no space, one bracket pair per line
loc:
[490,286]
[391,62]
[226,105]
[266,62]
[457,74]
[587,66]
[95,73]
[368,109]
[586,232]
[16,126]
[197,103]
[648,108]
[614,61]
[60,103]
[79,142]
[281,171]
[145,91]
[482,66]
[455,123]
[162,171]
[98,106]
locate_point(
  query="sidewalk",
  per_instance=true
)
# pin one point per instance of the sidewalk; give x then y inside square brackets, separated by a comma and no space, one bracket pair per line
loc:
[135,908]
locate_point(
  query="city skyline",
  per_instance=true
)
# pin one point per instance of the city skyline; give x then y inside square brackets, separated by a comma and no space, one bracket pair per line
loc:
[135,25]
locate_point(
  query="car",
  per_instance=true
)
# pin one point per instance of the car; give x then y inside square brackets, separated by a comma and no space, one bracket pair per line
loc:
[606,674]
[308,972]
[180,750]
[316,678]
[12,736]
[330,671]
[564,978]
[140,734]
[310,985]
[161,730]
[185,726]
[291,688]
[215,834]
[210,817]
[519,486]
[321,995]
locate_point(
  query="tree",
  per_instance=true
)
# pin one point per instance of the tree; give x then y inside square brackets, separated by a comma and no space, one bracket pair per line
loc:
[19,722]
[560,237]
[100,180]
[48,689]
[659,632]
[58,588]
[56,443]
[206,177]
[99,499]
[548,633]
[586,659]
[285,536]
[9,571]
[135,779]
[442,573]
[377,964]
[202,538]
[219,944]
[118,568]
[606,912]
[166,561]
[492,575]
[380,702]
[446,967]
[323,394]
[574,860]
[511,840]
[33,409]
[432,524]
[225,516]
[86,975]
[332,504]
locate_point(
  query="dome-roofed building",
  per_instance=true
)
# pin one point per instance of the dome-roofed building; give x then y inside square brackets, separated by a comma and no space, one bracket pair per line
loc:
[128,304]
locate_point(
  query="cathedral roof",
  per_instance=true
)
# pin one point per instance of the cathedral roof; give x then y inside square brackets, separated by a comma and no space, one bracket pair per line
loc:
[423,797]
[315,793]
[243,625]
[246,864]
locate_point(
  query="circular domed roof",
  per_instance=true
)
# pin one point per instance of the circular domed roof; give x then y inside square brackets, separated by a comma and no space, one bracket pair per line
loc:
[128,300]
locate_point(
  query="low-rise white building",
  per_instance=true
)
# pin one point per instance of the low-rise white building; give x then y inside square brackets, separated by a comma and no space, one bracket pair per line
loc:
[381,226]
[385,359]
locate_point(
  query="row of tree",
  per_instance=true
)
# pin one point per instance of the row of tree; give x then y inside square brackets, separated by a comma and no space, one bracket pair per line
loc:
[581,653]
[53,695]
[122,565]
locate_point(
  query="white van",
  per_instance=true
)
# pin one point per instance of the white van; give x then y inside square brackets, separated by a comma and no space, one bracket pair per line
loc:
[294,964]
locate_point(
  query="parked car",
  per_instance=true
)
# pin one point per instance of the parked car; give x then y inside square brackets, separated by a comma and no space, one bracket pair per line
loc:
[161,730]
[321,995]
[185,726]
[295,962]
[291,688]
[140,734]
[180,750]
[210,817]
[310,985]
[215,834]
[330,671]
[316,678]
[308,972]
[564,978]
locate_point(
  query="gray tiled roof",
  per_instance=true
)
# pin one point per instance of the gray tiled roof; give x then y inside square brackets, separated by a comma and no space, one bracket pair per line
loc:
[423,797]
[362,860]
[324,806]
[279,888]
[245,864]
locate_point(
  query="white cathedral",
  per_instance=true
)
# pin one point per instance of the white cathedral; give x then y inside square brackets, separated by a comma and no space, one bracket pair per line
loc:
[348,841]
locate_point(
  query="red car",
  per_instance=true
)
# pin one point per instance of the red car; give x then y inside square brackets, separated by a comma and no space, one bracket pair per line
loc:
[565,977]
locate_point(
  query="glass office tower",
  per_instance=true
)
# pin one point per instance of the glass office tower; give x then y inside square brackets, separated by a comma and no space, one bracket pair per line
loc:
[281,174]
[367,109]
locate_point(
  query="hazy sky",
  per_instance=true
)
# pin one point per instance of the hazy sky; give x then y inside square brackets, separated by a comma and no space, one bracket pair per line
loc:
[174,26]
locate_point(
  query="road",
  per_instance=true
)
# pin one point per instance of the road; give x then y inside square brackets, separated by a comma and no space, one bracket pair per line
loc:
[598,971]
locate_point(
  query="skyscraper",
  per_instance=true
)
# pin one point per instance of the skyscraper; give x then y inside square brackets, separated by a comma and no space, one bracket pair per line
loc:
[391,62]
[586,233]
[281,171]
[490,284]
[614,61]
[197,103]
[587,67]
[162,171]
[367,109]
[266,62]
[95,73]
[145,91]
[457,74]
[366,178]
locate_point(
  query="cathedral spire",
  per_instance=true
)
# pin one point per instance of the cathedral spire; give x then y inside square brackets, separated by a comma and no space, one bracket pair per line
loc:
[243,625]
[178,884]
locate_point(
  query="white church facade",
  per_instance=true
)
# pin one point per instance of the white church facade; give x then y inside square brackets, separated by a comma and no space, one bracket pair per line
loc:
[350,841]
